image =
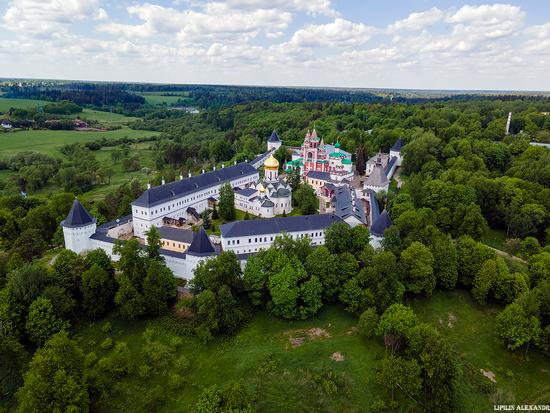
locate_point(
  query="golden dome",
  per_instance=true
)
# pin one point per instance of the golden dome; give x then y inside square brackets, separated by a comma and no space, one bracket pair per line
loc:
[271,163]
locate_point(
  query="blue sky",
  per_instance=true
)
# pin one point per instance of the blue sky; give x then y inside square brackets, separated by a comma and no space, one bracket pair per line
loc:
[393,44]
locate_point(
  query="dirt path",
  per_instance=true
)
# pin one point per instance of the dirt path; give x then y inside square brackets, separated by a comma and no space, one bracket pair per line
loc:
[505,254]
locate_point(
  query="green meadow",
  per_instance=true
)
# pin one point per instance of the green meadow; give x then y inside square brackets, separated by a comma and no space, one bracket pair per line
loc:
[159,98]
[6,104]
[292,382]
[49,141]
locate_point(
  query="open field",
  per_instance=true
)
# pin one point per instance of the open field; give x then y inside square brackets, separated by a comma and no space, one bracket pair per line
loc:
[291,385]
[49,142]
[6,104]
[160,98]
[104,117]
[471,329]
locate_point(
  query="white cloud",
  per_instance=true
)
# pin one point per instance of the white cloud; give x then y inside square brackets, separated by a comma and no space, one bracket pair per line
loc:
[274,42]
[312,7]
[418,21]
[49,17]
[192,26]
[340,33]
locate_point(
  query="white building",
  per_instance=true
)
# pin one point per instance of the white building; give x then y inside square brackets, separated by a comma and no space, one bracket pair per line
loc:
[251,236]
[381,167]
[274,143]
[174,199]
[268,197]
[169,206]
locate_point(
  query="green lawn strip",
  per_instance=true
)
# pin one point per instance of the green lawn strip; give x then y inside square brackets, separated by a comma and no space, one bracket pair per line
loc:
[290,386]
[49,141]
[471,329]
[8,103]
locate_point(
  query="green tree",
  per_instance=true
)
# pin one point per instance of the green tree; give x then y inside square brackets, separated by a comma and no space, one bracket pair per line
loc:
[55,379]
[471,256]
[400,376]
[368,322]
[28,282]
[226,203]
[293,293]
[514,329]
[395,325]
[98,291]
[294,178]
[324,265]
[438,367]
[417,262]
[338,238]
[491,273]
[445,262]
[159,287]
[153,244]
[130,300]
[67,270]
[42,321]
[539,268]
[305,199]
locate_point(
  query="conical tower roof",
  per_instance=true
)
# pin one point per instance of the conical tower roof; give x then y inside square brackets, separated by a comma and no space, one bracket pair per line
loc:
[380,224]
[201,244]
[274,137]
[78,216]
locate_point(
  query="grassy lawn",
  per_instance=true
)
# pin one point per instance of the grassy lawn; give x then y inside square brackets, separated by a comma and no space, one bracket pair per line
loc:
[105,117]
[160,98]
[6,104]
[495,238]
[470,328]
[49,142]
[291,386]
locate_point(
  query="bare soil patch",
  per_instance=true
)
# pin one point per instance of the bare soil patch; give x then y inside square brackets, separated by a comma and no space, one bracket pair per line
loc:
[337,356]
[299,337]
[297,342]
[489,374]
[452,320]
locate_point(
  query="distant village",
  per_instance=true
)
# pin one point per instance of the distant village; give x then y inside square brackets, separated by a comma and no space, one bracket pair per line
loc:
[260,191]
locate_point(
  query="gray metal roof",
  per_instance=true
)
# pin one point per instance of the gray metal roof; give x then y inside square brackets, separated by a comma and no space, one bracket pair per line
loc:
[177,189]
[246,192]
[399,143]
[201,244]
[274,137]
[78,216]
[377,177]
[346,204]
[258,160]
[382,222]
[325,176]
[277,225]
[177,234]
[390,165]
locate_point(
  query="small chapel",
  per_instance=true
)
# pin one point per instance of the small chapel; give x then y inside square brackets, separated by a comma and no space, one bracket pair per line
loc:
[266,197]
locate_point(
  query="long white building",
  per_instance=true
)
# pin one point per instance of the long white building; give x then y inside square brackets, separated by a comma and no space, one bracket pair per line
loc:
[174,200]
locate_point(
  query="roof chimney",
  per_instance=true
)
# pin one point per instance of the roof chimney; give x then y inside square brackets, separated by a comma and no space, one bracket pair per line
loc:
[148,185]
[214,168]
[223,165]
[189,173]
[163,181]
[181,177]
[202,171]
[235,163]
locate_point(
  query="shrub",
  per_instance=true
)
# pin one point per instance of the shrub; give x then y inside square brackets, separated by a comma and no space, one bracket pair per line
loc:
[107,344]
[107,328]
